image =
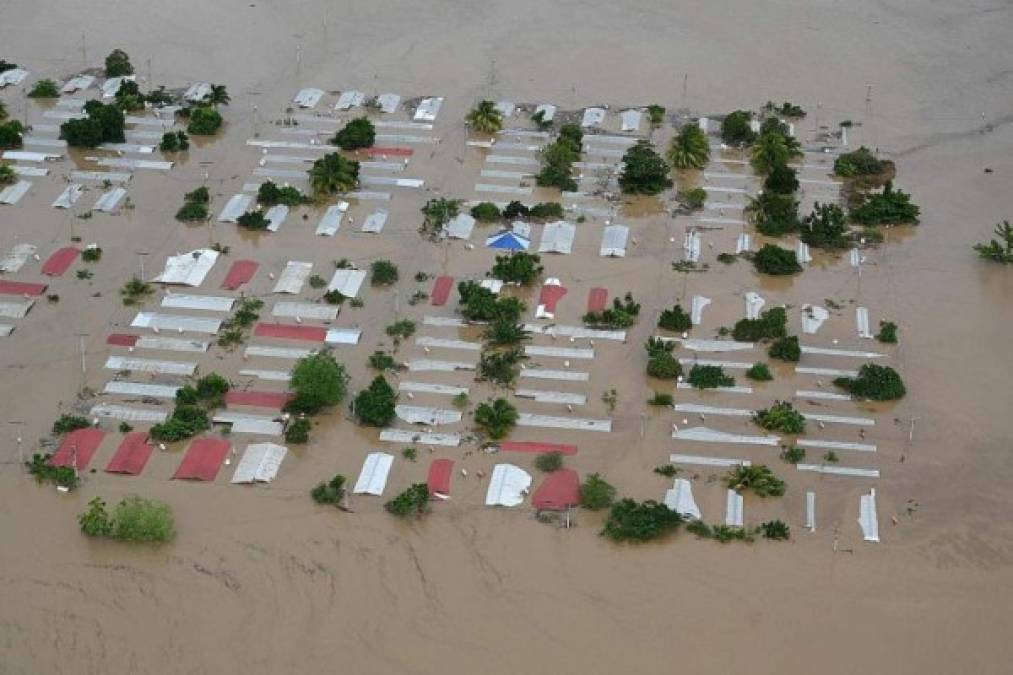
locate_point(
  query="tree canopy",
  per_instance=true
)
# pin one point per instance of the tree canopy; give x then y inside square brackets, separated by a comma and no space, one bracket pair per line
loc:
[318,381]
[358,133]
[332,174]
[645,172]
[735,129]
[878,383]
[118,64]
[690,148]
[826,227]
[485,118]
[776,261]
[889,207]
[204,121]
[629,520]
[496,418]
[521,267]
[374,405]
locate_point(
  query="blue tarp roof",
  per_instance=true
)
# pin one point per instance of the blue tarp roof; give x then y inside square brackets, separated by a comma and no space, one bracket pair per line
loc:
[510,241]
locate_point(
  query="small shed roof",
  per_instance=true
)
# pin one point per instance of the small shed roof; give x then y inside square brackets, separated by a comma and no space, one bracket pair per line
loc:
[188,269]
[331,220]
[438,480]
[593,117]
[428,109]
[680,499]
[260,463]
[375,221]
[613,241]
[293,277]
[131,455]
[630,120]
[548,111]
[77,448]
[350,99]
[557,237]
[373,477]
[507,486]
[460,227]
[203,459]
[347,282]
[308,98]
[508,240]
[235,207]
[388,102]
[559,491]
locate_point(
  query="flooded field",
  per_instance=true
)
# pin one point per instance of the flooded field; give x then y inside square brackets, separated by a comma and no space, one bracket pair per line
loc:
[471,588]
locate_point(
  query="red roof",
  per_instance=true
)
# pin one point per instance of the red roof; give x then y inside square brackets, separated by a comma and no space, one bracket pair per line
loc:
[240,273]
[80,444]
[559,490]
[122,339]
[550,295]
[203,459]
[441,291]
[439,476]
[534,446]
[21,288]
[392,152]
[261,399]
[596,299]
[132,454]
[290,332]
[60,261]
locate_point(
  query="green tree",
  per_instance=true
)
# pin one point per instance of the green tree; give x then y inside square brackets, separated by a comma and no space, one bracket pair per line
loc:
[95,521]
[656,114]
[485,118]
[486,212]
[521,267]
[826,227]
[889,207]
[546,211]
[359,133]
[253,220]
[859,162]
[501,333]
[773,214]
[318,381]
[690,148]
[786,349]
[204,121]
[772,150]
[44,89]
[496,418]
[174,141]
[118,64]
[11,134]
[500,367]
[269,194]
[136,519]
[776,261]
[887,332]
[217,96]
[332,174]
[660,361]
[782,180]
[629,520]
[596,493]
[775,529]
[759,372]
[735,129]
[770,325]
[438,212]
[877,383]
[331,492]
[709,377]
[374,406]
[675,319]
[645,172]
[413,501]
[7,175]
[298,430]
[383,273]
[758,478]
[782,417]
[549,461]
[1000,250]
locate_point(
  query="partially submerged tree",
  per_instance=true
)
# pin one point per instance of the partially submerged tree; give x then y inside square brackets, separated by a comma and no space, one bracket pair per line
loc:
[104,124]
[558,158]
[269,194]
[773,214]
[382,273]
[690,148]
[759,372]
[318,381]
[675,319]
[374,406]
[889,207]
[548,462]
[44,89]
[622,314]
[118,64]
[486,212]
[332,174]
[774,147]
[496,418]
[860,162]
[644,172]
[485,118]
[501,367]
[205,120]
[887,332]
[358,133]
[826,227]
[331,492]
[709,377]
[660,361]
[629,520]
[782,180]
[253,220]
[758,478]
[1001,250]
[596,493]
[413,501]
[656,114]
[782,417]
[174,141]
[786,348]
[481,304]
[438,212]
[874,382]
[520,267]
[776,261]
[11,135]
[7,175]
[735,128]
[770,325]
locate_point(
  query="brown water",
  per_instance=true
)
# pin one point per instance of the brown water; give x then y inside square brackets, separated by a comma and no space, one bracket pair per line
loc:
[262,581]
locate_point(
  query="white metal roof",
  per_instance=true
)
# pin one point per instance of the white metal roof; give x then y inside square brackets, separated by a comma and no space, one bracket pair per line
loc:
[235,207]
[293,277]
[343,336]
[548,111]
[31,171]
[447,343]
[276,217]
[425,438]
[702,460]
[505,108]
[109,200]
[507,486]
[696,309]
[427,388]
[249,424]
[733,509]
[13,76]
[347,282]
[460,227]
[802,254]
[613,241]
[15,309]
[129,163]
[171,344]
[592,117]
[101,176]
[177,322]
[574,423]
[111,86]
[494,285]
[349,99]
[373,477]
[28,156]
[579,332]
[551,396]
[868,519]
[813,317]
[68,197]
[308,98]
[188,269]
[331,220]
[77,83]
[630,120]
[12,194]
[375,221]
[269,375]
[680,499]
[388,102]
[150,366]
[557,237]
[16,259]
[197,92]
[210,303]
[443,321]
[835,445]
[702,345]
[711,436]
[754,304]
[424,365]
[563,375]
[559,352]
[140,389]
[6,329]
[260,463]
[830,351]
[839,470]
[428,109]
[691,246]
[416,414]
[44,142]
[862,322]
[305,310]
[277,352]
[128,413]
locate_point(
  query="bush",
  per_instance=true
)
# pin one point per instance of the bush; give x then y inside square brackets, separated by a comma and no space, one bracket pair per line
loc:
[359,133]
[198,196]
[383,273]
[486,212]
[878,383]
[332,174]
[622,314]
[693,199]
[998,250]
[67,423]
[660,362]
[496,418]
[11,134]
[515,210]
[774,214]
[660,399]
[480,304]
[137,519]
[64,476]
[825,227]
[253,220]
[781,180]
[645,171]
[775,529]
[298,430]
[521,267]
[709,377]
[759,372]
[887,332]
[413,501]
[596,493]
[269,194]
[7,174]
[667,470]
[889,207]
[381,360]
[546,210]
[782,417]
[793,455]
[771,324]
[629,520]
[95,521]
[776,261]
[318,381]
[204,121]
[675,319]
[725,533]
[374,406]
[500,367]
[135,291]
[758,478]
[735,128]
[656,114]
[701,529]
[173,141]
[787,109]
[44,89]
[830,457]
[690,148]
[331,492]
[786,349]
[460,400]
[502,333]
[549,462]
[118,64]
[859,162]
[401,329]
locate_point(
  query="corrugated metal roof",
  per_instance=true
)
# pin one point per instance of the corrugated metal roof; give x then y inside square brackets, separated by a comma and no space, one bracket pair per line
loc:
[502,189]
[109,200]
[414,414]
[551,396]
[141,389]
[349,99]
[592,117]
[249,424]
[460,227]
[424,365]
[574,423]
[511,159]
[277,352]
[630,120]
[101,176]
[171,344]
[15,309]
[269,375]
[331,220]
[77,83]
[427,388]
[578,332]
[6,329]
[305,310]
[424,438]
[343,336]
[373,477]
[706,435]
[829,372]
[12,194]
[613,241]
[547,374]
[43,142]
[15,260]
[131,455]
[276,216]
[260,463]
[308,98]
[128,414]
[388,102]
[235,207]
[700,345]
[291,332]
[150,366]
[839,470]
[210,303]
[293,277]
[443,321]
[848,353]
[14,76]
[557,237]
[426,341]
[428,109]
[127,163]
[835,445]
[374,223]
[347,282]
[177,322]
[680,499]
[30,171]
[197,92]
[188,269]
[505,108]
[729,390]
[559,352]
[203,459]
[507,486]
[696,309]
[113,84]
[28,156]
[700,460]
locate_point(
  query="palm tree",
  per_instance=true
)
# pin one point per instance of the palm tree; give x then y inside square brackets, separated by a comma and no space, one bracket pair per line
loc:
[333,173]
[7,174]
[690,149]
[496,418]
[769,151]
[485,118]
[218,95]
[3,111]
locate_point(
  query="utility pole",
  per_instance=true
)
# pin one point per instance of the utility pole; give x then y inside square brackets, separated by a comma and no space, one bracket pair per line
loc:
[685,83]
[140,258]
[151,83]
[84,52]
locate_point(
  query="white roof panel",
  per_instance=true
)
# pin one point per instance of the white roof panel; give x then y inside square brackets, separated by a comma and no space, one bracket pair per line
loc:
[559,352]
[505,108]
[700,460]
[331,220]
[268,351]
[431,365]
[235,207]
[276,217]
[260,463]
[558,237]
[388,102]
[347,282]
[373,477]
[733,509]
[350,99]
[13,76]
[77,83]
[111,86]
[428,109]
[68,197]
[197,92]
[343,336]
[680,499]
[613,241]
[140,389]
[375,221]
[188,269]
[415,414]
[101,176]
[269,375]
[711,436]
[15,309]
[177,322]
[12,194]
[630,120]
[293,277]
[507,486]
[425,438]
[210,303]
[592,117]
[447,343]
[579,332]
[305,310]
[867,517]
[427,388]
[563,375]
[15,260]
[28,156]
[548,111]
[128,414]
[249,424]
[574,423]
[171,344]
[460,227]
[108,201]
[308,98]
[150,366]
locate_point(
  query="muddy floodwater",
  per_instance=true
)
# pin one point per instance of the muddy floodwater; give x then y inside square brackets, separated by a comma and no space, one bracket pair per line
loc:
[261,580]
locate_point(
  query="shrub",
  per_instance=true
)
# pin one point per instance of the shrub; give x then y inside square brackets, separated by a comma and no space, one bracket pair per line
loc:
[7,174]
[253,220]
[549,462]
[136,519]
[622,314]
[358,133]
[889,207]
[830,457]
[775,529]
[317,281]
[771,324]
[645,172]
[374,406]
[546,210]
[701,529]
[660,361]
[776,261]
[782,417]
[95,521]
[411,454]
[693,199]
[269,194]
[125,428]
[381,360]
[656,114]
[204,121]
[318,381]
[486,212]
[332,174]
[793,455]
[675,319]
[135,291]
[758,478]
[725,533]
[44,89]
[629,520]
[786,349]
[413,501]
[480,304]
[485,118]
[690,148]
[383,273]
[298,430]
[709,377]
[759,372]
[596,493]
[496,418]
[735,129]
[331,492]
[502,333]
[401,329]
[460,400]
[11,134]
[887,332]
[859,162]
[500,367]
[521,267]
[774,214]
[782,180]
[515,210]
[118,64]
[878,383]
[198,196]
[998,250]
[667,470]
[825,227]
[660,399]
[786,109]
[67,423]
